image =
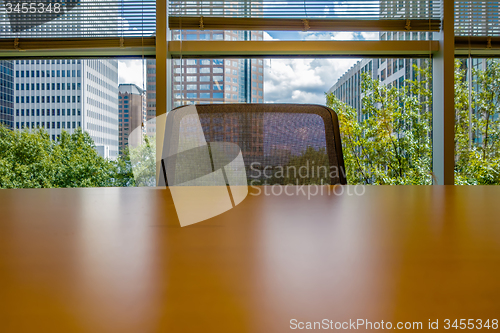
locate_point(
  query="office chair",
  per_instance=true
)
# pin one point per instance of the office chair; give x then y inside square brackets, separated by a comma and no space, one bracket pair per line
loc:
[279,144]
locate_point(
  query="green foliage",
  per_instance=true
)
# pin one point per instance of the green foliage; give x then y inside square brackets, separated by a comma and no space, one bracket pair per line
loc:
[143,161]
[123,175]
[477,133]
[389,142]
[32,160]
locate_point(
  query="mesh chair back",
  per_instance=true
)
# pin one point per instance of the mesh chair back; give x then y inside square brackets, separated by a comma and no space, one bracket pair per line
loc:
[280,143]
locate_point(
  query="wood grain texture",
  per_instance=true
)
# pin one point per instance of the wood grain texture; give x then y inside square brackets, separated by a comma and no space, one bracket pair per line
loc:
[116,260]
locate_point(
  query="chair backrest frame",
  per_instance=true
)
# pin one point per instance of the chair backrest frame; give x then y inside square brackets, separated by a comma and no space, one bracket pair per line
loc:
[330,120]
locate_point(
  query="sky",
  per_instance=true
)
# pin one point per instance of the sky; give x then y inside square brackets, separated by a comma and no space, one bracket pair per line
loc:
[286,80]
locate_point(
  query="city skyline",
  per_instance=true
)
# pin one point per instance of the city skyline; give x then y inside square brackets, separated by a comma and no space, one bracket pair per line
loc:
[286,80]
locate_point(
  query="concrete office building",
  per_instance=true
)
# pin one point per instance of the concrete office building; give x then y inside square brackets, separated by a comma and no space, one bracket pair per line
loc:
[132,115]
[389,71]
[7,93]
[66,94]
[348,87]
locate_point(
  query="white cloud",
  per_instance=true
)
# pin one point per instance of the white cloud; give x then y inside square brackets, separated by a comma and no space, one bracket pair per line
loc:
[131,71]
[307,80]
[302,80]
[289,80]
[370,35]
[267,36]
[342,35]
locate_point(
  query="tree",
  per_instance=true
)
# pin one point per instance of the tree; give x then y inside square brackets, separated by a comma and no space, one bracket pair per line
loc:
[477,133]
[389,141]
[143,162]
[33,160]
[123,175]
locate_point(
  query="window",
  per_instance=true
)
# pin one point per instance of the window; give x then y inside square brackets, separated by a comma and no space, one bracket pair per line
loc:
[100,98]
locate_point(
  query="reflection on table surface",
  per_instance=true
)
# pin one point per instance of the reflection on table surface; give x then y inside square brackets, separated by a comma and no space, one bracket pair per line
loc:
[116,259]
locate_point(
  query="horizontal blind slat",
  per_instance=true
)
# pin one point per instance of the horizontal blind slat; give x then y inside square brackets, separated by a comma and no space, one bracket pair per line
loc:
[381,9]
[477,18]
[78,18]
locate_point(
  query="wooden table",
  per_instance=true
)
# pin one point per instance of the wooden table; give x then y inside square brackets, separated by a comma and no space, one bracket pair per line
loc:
[116,260]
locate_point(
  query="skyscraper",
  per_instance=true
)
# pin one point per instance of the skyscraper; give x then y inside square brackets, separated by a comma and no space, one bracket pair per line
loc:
[132,111]
[209,80]
[150,96]
[65,94]
[217,80]
[7,93]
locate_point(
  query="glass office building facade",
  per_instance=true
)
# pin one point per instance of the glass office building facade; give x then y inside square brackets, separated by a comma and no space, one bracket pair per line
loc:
[7,93]
[65,94]
[151,97]
[217,80]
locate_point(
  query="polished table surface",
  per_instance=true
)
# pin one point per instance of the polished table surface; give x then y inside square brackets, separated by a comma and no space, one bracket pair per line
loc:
[116,260]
